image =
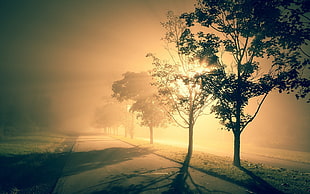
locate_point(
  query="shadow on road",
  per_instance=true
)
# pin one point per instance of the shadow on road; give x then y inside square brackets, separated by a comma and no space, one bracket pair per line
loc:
[84,161]
[259,185]
[183,183]
[163,180]
[153,181]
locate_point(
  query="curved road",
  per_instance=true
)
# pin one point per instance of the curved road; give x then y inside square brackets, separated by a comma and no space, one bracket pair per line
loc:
[101,164]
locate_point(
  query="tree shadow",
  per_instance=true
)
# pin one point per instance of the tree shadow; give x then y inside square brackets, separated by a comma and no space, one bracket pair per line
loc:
[154,181]
[259,185]
[166,183]
[183,183]
[84,161]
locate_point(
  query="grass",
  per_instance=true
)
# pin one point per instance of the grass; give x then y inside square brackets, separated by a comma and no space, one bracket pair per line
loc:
[296,156]
[32,163]
[256,177]
[26,144]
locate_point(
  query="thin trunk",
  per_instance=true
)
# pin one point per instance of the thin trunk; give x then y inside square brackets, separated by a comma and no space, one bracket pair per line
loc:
[237,149]
[188,157]
[190,140]
[190,144]
[151,135]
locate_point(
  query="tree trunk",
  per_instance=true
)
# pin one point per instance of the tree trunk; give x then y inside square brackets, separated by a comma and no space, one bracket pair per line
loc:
[151,135]
[190,145]
[190,141]
[236,161]
[237,129]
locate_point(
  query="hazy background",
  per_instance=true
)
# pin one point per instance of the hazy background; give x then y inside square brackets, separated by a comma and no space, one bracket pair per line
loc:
[58,60]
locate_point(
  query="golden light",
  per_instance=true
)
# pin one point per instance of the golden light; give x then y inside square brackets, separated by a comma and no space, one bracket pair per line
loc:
[191,70]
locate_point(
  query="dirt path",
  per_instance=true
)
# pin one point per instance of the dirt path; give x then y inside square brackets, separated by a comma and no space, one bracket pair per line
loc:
[101,164]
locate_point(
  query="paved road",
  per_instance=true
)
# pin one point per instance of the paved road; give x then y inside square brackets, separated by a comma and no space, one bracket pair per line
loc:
[101,164]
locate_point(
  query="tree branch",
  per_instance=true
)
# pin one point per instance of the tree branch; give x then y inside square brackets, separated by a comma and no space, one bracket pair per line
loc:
[255,114]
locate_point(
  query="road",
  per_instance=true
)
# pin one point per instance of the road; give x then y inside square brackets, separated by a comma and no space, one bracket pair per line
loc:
[102,164]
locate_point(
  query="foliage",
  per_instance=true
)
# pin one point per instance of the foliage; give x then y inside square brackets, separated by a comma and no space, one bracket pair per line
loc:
[149,112]
[136,87]
[241,34]
[133,86]
[178,81]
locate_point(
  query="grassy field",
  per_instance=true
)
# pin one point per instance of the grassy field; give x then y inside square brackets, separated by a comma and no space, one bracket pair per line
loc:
[32,163]
[256,177]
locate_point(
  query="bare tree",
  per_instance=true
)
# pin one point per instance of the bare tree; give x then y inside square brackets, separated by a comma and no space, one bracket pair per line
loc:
[179,83]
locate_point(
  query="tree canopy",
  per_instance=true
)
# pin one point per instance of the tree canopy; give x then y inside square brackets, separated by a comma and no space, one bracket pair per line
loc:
[257,46]
[179,82]
[137,88]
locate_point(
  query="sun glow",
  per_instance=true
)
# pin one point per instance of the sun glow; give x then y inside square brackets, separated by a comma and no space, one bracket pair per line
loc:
[188,84]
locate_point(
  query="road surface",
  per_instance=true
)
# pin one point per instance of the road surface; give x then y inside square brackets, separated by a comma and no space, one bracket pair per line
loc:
[102,164]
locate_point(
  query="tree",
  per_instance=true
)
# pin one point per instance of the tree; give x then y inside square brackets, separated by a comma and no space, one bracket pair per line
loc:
[137,88]
[150,114]
[248,31]
[109,116]
[179,84]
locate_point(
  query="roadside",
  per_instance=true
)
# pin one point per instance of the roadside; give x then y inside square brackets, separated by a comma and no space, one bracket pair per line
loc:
[289,159]
[32,163]
[254,176]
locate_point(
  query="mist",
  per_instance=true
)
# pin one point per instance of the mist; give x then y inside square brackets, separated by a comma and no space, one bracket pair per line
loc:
[59,60]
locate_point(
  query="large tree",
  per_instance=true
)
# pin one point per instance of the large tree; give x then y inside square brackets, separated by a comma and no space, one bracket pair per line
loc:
[179,85]
[261,48]
[137,88]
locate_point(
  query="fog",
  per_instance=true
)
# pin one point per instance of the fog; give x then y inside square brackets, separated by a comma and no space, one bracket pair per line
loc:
[58,61]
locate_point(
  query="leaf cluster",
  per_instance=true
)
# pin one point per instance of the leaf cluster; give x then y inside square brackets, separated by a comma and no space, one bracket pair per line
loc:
[249,30]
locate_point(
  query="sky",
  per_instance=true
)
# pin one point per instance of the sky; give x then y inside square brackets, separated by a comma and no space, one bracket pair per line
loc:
[71,52]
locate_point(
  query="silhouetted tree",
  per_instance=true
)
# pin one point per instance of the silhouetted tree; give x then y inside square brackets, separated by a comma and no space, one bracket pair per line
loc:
[247,32]
[137,88]
[179,84]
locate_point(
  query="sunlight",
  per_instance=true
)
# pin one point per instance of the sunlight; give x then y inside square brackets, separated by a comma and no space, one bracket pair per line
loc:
[194,69]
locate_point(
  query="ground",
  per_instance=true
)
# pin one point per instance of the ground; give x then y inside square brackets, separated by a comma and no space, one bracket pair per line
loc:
[107,165]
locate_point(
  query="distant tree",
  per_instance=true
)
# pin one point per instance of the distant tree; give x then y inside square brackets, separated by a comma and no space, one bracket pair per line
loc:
[109,117]
[137,88]
[247,32]
[179,84]
[150,114]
